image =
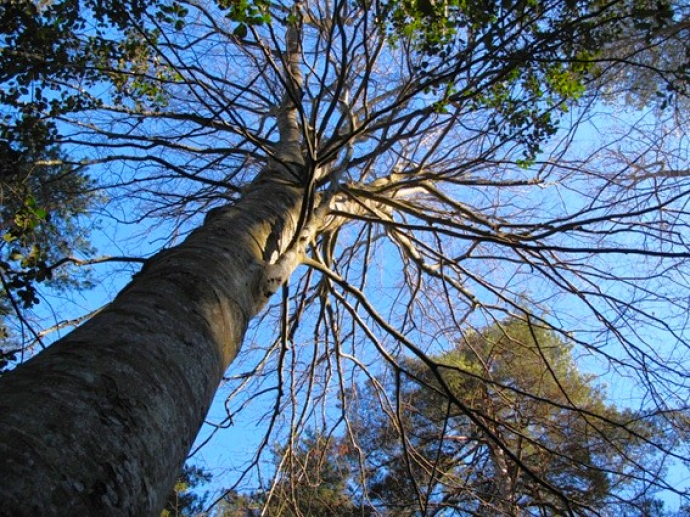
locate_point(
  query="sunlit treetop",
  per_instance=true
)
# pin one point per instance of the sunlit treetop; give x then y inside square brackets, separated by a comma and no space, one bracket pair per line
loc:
[524,59]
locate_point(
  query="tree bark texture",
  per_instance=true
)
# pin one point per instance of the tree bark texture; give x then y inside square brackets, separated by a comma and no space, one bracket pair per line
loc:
[99,423]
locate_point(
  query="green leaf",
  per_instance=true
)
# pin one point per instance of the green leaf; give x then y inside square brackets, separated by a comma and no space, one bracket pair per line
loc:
[41,213]
[240,31]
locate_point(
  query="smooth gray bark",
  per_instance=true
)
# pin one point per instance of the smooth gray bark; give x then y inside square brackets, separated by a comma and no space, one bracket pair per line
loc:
[100,423]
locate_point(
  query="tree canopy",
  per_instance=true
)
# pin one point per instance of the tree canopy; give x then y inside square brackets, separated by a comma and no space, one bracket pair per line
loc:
[41,202]
[517,385]
[404,176]
[316,480]
[439,455]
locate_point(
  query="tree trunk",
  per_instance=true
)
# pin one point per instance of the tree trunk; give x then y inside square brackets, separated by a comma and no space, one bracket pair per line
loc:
[99,424]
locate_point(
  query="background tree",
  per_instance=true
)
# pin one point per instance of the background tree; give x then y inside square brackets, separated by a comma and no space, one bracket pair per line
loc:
[515,384]
[42,199]
[660,39]
[315,480]
[437,456]
[185,500]
[457,141]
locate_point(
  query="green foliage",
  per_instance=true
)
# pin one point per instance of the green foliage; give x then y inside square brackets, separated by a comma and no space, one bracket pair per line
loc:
[516,384]
[246,13]
[185,501]
[48,47]
[249,12]
[537,57]
[656,33]
[41,200]
[173,14]
[39,206]
[531,41]
[28,258]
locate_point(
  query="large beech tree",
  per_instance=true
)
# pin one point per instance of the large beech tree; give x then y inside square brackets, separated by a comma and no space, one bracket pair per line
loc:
[414,169]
